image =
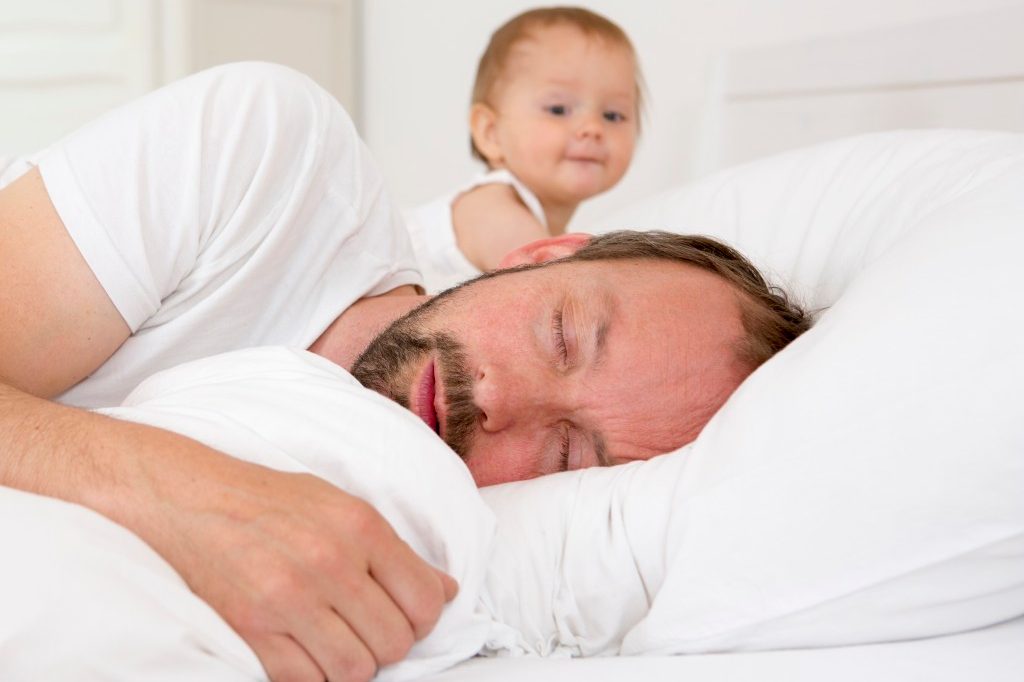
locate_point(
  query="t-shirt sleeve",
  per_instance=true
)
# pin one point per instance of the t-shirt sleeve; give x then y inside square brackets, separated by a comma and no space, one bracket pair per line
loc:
[170,196]
[123,186]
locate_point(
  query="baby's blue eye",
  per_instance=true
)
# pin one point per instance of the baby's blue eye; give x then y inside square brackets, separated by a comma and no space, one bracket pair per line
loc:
[557,109]
[614,116]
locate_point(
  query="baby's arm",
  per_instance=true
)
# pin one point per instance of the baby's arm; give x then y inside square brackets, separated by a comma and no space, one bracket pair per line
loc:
[491,220]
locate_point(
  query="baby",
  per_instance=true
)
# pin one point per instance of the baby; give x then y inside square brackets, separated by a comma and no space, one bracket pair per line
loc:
[555,116]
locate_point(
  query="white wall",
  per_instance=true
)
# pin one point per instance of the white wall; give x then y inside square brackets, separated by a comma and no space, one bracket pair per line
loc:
[65,62]
[419,59]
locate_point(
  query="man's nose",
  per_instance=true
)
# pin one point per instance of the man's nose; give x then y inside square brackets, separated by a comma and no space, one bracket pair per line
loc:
[506,398]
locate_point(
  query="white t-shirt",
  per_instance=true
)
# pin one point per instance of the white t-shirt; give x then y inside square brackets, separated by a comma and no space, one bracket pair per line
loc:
[232,209]
[433,235]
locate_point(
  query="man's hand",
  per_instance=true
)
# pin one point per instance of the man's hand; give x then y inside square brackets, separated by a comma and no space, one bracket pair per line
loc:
[314,579]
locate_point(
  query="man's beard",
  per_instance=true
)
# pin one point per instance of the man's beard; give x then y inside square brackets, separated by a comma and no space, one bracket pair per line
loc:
[389,364]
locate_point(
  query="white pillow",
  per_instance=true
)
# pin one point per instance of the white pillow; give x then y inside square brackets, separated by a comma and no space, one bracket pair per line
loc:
[816,217]
[85,599]
[866,484]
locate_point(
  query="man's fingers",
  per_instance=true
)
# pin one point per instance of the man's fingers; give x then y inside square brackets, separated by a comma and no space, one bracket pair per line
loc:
[337,649]
[283,658]
[413,584]
[375,618]
[328,589]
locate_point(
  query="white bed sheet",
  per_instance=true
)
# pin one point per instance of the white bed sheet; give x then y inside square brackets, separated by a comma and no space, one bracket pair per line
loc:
[993,654]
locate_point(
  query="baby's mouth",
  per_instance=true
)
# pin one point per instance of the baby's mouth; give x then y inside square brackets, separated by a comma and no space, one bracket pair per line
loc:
[580,158]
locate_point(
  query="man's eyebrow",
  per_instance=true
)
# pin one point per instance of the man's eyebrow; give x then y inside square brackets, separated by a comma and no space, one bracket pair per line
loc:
[600,335]
[604,309]
[603,322]
[600,450]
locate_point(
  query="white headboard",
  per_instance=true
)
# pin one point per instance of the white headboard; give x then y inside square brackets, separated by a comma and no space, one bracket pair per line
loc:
[958,72]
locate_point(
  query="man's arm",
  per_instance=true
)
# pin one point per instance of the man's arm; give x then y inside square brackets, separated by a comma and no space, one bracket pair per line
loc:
[312,578]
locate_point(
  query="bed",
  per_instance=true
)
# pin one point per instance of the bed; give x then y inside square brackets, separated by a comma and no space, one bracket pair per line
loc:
[990,654]
[854,511]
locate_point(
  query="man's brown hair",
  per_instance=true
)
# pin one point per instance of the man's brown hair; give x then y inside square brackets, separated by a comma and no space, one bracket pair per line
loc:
[493,61]
[771,319]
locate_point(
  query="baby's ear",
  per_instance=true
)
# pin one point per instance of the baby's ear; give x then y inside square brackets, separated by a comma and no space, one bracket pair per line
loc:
[544,250]
[482,127]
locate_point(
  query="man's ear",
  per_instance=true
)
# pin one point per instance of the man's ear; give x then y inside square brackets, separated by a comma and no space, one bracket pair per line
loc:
[544,250]
[483,129]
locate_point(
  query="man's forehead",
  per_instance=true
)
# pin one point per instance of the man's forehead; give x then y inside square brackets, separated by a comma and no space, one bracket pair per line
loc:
[671,361]
[657,287]
[571,267]
[653,399]
[649,290]
[668,280]
[663,410]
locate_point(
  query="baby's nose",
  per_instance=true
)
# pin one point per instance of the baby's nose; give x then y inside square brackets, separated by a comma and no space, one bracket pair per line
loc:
[590,125]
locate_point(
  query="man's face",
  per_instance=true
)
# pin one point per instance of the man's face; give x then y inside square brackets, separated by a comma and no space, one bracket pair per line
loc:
[565,366]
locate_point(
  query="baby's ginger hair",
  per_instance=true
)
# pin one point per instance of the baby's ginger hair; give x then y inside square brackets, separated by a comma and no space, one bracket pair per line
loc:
[493,61]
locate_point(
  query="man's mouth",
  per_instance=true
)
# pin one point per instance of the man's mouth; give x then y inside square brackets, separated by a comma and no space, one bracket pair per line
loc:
[440,404]
[425,398]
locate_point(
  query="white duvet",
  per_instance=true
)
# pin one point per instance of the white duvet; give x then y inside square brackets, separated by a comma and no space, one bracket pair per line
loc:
[863,486]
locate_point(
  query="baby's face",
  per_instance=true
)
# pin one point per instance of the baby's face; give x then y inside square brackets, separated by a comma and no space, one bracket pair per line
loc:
[566,114]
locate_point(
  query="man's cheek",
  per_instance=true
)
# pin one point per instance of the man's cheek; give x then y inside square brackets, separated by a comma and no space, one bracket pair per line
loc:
[502,461]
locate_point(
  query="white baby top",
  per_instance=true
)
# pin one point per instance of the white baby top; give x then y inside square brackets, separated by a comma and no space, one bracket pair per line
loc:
[232,209]
[433,235]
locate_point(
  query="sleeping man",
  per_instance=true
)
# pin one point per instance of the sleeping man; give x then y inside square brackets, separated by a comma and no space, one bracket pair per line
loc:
[238,208]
